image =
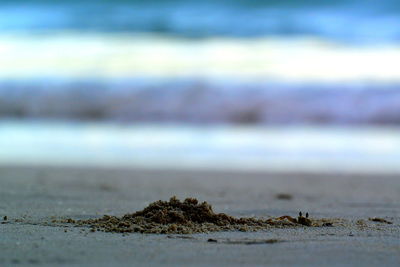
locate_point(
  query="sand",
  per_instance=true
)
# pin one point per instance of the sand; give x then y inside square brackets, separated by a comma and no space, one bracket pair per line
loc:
[34,200]
[192,217]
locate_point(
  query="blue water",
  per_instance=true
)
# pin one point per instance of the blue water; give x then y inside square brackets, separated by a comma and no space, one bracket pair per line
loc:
[350,21]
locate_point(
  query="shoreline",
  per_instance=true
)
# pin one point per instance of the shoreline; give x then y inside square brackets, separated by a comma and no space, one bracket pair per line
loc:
[161,170]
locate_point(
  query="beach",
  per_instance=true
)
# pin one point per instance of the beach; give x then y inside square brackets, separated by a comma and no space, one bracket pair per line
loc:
[122,122]
[34,198]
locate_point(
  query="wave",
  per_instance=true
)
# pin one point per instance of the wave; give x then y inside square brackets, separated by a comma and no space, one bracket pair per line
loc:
[105,56]
[202,101]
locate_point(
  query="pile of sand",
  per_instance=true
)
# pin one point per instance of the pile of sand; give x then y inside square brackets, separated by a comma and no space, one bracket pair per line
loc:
[189,216]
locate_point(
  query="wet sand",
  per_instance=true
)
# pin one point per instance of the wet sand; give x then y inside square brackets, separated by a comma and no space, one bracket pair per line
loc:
[32,198]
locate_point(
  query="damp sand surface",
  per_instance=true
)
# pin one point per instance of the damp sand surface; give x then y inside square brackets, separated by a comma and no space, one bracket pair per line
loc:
[363,209]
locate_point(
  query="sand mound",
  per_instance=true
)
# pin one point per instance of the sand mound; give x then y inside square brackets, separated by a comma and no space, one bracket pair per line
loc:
[189,216]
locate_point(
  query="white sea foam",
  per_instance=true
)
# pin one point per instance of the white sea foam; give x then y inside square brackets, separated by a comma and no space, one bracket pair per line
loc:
[121,56]
[331,149]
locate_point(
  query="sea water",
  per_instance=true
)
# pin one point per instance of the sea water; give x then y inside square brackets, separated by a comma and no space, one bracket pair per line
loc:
[201,84]
[237,61]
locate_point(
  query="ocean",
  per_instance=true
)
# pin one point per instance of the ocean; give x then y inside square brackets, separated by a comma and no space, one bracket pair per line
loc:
[262,74]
